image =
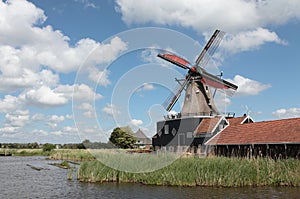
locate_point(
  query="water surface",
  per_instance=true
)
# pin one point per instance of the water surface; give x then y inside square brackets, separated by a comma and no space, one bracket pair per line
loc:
[19,180]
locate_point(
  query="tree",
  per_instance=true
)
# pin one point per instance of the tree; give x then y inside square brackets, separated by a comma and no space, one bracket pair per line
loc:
[122,138]
[48,147]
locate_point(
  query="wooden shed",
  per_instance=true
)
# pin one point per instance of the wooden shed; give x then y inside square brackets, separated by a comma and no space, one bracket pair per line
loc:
[275,139]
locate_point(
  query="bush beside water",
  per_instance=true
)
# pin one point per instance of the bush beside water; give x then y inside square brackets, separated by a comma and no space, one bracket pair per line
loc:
[215,171]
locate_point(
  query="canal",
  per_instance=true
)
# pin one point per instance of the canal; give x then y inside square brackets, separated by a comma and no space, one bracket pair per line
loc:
[18,179]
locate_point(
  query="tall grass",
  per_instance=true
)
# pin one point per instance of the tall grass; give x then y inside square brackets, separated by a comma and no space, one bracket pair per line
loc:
[71,154]
[24,152]
[217,171]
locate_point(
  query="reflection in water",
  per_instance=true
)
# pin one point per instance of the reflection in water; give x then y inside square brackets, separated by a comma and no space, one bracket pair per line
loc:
[18,180]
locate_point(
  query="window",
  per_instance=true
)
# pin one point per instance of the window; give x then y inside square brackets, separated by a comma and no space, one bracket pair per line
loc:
[159,133]
[167,129]
[221,126]
[174,131]
[189,135]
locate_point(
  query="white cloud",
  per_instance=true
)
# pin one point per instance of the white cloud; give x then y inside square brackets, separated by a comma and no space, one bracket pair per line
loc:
[287,113]
[38,117]
[80,92]
[40,132]
[111,110]
[17,73]
[136,122]
[249,40]
[26,46]
[232,15]
[68,116]
[244,21]
[56,133]
[85,106]
[44,97]
[100,77]
[9,103]
[145,87]
[87,3]
[247,86]
[56,118]
[18,118]
[88,109]
[89,114]
[200,15]
[9,129]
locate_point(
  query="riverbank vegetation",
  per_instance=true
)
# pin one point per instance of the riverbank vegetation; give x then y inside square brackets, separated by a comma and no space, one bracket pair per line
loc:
[213,171]
[71,154]
[24,152]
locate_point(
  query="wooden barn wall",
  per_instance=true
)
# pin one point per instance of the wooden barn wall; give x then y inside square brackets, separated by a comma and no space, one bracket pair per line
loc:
[181,128]
[274,151]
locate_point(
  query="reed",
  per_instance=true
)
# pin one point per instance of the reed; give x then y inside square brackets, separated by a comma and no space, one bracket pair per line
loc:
[24,152]
[216,171]
[71,154]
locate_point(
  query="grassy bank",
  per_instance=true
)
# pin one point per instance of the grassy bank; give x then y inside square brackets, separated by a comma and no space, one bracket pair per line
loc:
[24,152]
[71,154]
[203,172]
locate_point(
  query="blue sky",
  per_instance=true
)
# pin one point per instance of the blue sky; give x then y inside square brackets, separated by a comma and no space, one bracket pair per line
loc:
[75,69]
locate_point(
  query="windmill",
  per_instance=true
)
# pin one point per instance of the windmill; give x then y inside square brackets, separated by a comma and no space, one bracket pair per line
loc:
[198,98]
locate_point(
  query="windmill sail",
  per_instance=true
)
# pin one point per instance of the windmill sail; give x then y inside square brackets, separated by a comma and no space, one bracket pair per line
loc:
[216,82]
[210,48]
[173,98]
[198,98]
[175,60]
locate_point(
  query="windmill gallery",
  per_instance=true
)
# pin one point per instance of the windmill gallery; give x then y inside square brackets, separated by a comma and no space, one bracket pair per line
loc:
[200,128]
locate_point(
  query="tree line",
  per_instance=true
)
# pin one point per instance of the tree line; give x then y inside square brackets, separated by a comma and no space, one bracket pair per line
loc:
[121,137]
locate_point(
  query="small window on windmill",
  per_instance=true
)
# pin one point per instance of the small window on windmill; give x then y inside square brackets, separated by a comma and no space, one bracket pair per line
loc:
[166,129]
[159,133]
[173,131]
[221,126]
[189,135]
[187,97]
[197,91]
[206,88]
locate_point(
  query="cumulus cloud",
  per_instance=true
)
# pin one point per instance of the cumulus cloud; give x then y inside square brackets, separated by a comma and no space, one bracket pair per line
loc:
[80,92]
[111,110]
[287,113]
[100,77]
[248,86]
[88,109]
[17,119]
[87,3]
[230,15]
[145,87]
[9,103]
[200,15]
[26,46]
[136,122]
[54,120]
[244,21]
[44,97]
[249,40]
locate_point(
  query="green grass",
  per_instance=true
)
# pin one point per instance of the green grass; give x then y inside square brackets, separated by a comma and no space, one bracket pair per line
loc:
[25,152]
[217,171]
[71,154]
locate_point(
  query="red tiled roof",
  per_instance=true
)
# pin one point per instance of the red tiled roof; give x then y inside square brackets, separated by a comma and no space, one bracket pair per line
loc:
[236,120]
[207,125]
[270,132]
